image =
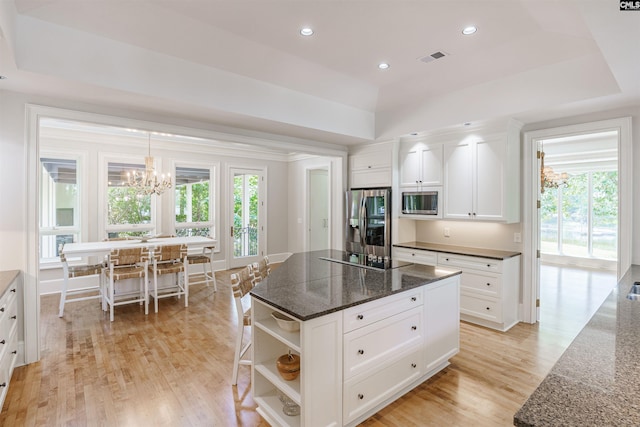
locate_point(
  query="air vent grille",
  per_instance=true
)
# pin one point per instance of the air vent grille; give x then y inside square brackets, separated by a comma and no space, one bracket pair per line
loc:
[433,56]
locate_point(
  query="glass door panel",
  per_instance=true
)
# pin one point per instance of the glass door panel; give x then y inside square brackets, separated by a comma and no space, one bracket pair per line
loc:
[245,229]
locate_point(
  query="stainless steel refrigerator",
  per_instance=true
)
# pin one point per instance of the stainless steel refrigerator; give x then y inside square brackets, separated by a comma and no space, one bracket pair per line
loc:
[368,222]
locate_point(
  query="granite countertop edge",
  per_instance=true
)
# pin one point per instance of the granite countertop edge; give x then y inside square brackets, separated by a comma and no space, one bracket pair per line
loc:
[444,275]
[597,378]
[459,250]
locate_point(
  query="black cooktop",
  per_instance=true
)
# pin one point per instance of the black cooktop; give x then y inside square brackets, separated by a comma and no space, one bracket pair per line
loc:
[368,261]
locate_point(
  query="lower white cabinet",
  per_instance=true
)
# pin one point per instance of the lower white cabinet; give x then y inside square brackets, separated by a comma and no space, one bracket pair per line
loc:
[8,336]
[489,289]
[418,256]
[356,361]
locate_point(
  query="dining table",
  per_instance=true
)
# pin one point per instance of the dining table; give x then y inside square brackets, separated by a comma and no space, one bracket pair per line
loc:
[105,247]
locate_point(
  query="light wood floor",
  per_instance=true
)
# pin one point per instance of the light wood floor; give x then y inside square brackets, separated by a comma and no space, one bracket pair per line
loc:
[174,368]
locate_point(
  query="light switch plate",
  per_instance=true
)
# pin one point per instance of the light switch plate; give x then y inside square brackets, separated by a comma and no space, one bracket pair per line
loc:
[447,232]
[517,237]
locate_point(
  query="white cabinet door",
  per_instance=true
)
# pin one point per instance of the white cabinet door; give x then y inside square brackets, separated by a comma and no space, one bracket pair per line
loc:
[410,166]
[442,322]
[458,176]
[490,161]
[421,165]
[431,163]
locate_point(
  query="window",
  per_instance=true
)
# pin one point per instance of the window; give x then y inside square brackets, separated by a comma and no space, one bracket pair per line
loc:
[59,205]
[128,213]
[194,202]
[581,219]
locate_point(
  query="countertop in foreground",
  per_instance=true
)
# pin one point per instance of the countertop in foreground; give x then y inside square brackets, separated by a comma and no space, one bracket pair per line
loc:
[459,250]
[307,287]
[596,382]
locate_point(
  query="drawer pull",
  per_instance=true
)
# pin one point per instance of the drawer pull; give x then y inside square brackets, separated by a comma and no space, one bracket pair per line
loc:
[413,328]
[489,265]
[13,290]
[2,342]
[488,284]
[4,384]
[360,317]
[360,396]
[361,351]
[413,365]
[446,259]
[488,308]
[2,309]
[14,317]
[14,352]
[413,298]
[413,254]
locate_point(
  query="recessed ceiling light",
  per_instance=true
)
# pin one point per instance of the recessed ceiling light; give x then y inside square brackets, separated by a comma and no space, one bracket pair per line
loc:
[3,77]
[414,134]
[469,30]
[306,31]
[467,123]
[383,65]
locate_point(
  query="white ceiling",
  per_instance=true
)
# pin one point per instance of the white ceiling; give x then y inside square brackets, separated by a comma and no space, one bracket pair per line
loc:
[243,64]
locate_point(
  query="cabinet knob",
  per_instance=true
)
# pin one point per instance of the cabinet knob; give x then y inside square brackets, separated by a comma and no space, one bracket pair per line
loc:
[413,328]
[2,342]
[488,308]
[413,254]
[413,298]
[469,213]
[413,365]
[489,265]
[4,384]
[360,396]
[2,309]
[360,351]
[488,284]
[360,317]
[13,290]
[14,352]
[447,259]
[368,167]
[474,214]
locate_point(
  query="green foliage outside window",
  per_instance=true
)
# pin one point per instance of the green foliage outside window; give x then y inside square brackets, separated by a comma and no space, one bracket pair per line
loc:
[199,202]
[127,207]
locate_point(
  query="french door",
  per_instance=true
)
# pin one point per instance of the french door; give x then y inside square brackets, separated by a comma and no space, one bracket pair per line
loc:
[246,234]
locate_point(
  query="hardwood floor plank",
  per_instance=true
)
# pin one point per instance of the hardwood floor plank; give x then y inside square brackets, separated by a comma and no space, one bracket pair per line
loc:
[173,368]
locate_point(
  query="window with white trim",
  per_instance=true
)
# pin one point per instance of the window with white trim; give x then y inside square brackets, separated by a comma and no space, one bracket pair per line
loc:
[194,201]
[128,213]
[59,205]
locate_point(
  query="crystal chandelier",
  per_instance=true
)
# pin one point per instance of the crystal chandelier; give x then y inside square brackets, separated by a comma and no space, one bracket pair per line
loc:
[549,178]
[147,182]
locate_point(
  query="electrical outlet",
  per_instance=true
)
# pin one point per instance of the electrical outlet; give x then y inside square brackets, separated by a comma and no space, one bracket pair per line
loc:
[517,237]
[447,232]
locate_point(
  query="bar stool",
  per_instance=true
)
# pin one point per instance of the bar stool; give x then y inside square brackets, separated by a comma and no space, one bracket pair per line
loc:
[128,263]
[241,283]
[205,258]
[170,259]
[83,270]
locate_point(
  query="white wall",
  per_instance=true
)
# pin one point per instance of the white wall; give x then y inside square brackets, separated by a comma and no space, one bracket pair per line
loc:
[477,234]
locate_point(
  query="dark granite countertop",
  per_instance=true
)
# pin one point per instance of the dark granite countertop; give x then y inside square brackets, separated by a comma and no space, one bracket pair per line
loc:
[306,286]
[460,250]
[596,382]
[6,278]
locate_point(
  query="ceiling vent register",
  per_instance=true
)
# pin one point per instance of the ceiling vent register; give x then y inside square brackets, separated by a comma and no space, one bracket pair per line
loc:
[433,56]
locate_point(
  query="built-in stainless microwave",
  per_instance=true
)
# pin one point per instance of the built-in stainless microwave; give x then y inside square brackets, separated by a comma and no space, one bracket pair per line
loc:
[420,202]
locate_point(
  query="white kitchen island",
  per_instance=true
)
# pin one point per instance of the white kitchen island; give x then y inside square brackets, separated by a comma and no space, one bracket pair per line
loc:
[366,336]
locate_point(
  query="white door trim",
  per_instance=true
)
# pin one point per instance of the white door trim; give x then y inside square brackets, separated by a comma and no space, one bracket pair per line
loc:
[530,273]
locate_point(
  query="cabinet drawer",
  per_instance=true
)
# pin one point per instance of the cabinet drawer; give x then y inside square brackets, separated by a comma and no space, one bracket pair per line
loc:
[482,307]
[482,284]
[416,255]
[365,314]
[471,262]
[365,392]
[371,346]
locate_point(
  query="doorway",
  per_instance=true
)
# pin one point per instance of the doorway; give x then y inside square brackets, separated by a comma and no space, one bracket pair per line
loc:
[318,209]
[621,129]
[246,216]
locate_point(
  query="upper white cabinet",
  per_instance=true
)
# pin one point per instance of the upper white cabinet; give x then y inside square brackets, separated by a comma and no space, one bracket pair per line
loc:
[371,167]
[482,178]
[421,165]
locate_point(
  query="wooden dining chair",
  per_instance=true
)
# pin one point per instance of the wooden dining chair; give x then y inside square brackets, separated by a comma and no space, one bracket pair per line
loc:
[79,270]
[241,284]
[261,269]
[127,263]
[205,259]
[170,259]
